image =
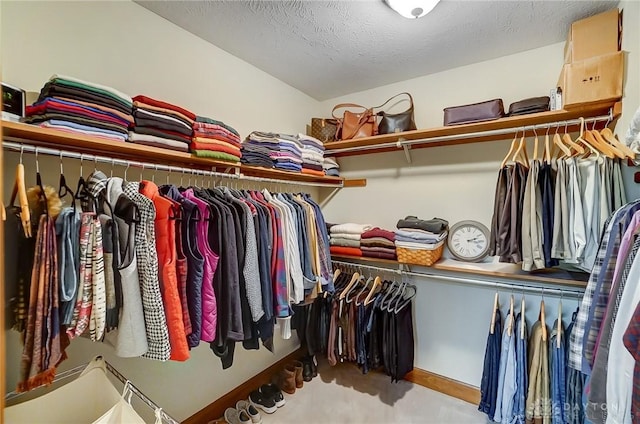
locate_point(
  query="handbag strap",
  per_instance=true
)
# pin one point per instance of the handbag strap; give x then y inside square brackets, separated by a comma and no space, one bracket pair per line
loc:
[397,95]
[344,105]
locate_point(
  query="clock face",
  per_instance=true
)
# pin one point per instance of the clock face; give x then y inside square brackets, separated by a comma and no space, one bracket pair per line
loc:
[469,241]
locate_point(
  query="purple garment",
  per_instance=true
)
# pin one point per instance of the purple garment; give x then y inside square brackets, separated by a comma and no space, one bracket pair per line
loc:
[209,306]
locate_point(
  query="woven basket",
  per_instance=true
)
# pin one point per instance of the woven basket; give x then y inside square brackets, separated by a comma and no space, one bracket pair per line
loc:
[422,257]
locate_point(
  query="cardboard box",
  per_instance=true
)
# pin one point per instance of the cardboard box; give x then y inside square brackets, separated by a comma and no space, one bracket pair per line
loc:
[592,80]
[594,36]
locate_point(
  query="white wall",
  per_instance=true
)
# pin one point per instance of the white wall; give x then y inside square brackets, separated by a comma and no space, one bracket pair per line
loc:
[123,45]
[455,183]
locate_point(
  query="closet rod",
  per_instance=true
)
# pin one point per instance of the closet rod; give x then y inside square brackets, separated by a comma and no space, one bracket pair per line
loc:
[29,148]
[516,287]
[505,131]
[140,395]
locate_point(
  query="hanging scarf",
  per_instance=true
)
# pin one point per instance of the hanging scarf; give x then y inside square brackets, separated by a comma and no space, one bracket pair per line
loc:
[43,345]
[82,310]
[68,232]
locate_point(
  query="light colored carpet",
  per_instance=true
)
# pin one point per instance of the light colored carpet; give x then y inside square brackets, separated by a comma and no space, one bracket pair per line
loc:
[342,394]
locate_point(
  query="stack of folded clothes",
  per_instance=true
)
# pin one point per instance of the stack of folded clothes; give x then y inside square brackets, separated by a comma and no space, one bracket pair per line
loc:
[215,139]
[288,157]
[312,155]
[331,167]
[378,243]
[72,105]
[257,147]
[161,124]
[414,233]
[345,238]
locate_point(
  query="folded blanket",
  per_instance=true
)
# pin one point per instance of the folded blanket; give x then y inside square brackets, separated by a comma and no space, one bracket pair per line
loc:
[435,225]
[62,91]
[345,251]
[415,245]
[73,128]
[165,105]
[379,232]
[344,242]
[151,140]
[350,228]
[215,155]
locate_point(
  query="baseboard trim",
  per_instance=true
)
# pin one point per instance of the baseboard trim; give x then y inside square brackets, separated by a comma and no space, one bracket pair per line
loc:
[448,386]
[216,409]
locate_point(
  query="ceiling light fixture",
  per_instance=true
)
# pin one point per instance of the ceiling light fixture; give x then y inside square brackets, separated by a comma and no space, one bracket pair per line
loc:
[412,9]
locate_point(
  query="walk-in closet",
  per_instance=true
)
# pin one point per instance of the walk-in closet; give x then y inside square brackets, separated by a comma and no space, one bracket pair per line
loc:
[378,211]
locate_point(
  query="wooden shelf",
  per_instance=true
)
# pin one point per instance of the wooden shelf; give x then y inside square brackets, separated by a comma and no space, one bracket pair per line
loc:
[47,137]
[495,270]
[385,142]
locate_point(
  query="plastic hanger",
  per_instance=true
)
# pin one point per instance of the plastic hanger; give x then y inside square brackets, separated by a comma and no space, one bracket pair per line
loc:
[394,299]
[510,326]
[20,191]
[522,319]
[64,189]
[405,300]
[81,189]
[42,195]
[390,289]
[559,323]
[496,304]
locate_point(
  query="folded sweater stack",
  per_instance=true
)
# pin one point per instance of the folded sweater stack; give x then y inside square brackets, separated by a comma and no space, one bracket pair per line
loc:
[312,155]
[288,156]
[378,243]
[73,105]
[161,124]
[331,167]
[345,238]
[414,233]
[215,139]
[270,150]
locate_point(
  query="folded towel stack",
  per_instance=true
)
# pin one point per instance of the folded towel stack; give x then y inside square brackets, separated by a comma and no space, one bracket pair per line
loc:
[345,238]
[73,105]
[215,139]
[161,124]
[378,243]
[312,155]
[331,167]
[414,233]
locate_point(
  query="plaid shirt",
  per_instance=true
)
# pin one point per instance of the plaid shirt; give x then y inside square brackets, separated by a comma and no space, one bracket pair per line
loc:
[147,258]
[605,279]
[631,341]
[577,334]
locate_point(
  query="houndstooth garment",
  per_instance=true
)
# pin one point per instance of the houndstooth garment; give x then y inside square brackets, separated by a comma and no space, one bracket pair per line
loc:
[147,258]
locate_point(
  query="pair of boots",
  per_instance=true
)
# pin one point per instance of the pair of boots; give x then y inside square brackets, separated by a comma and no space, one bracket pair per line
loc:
[294,374]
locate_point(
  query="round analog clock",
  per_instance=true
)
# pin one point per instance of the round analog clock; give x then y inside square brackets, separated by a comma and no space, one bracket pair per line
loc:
[469,241]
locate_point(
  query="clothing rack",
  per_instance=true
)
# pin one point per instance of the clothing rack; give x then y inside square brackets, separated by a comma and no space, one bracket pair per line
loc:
[522,288]
[406,144]
[80,368]
[29,148]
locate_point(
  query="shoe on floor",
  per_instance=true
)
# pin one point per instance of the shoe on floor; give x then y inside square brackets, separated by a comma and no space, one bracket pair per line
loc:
[233,416]
[272,391]
[307,370]
[262,401]
[251,410]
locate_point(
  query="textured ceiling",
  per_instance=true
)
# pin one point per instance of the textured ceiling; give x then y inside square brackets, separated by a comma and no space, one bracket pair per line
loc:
[331,48]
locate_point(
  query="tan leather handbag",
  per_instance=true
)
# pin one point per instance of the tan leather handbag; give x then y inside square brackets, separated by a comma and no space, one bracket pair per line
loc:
[355,125]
